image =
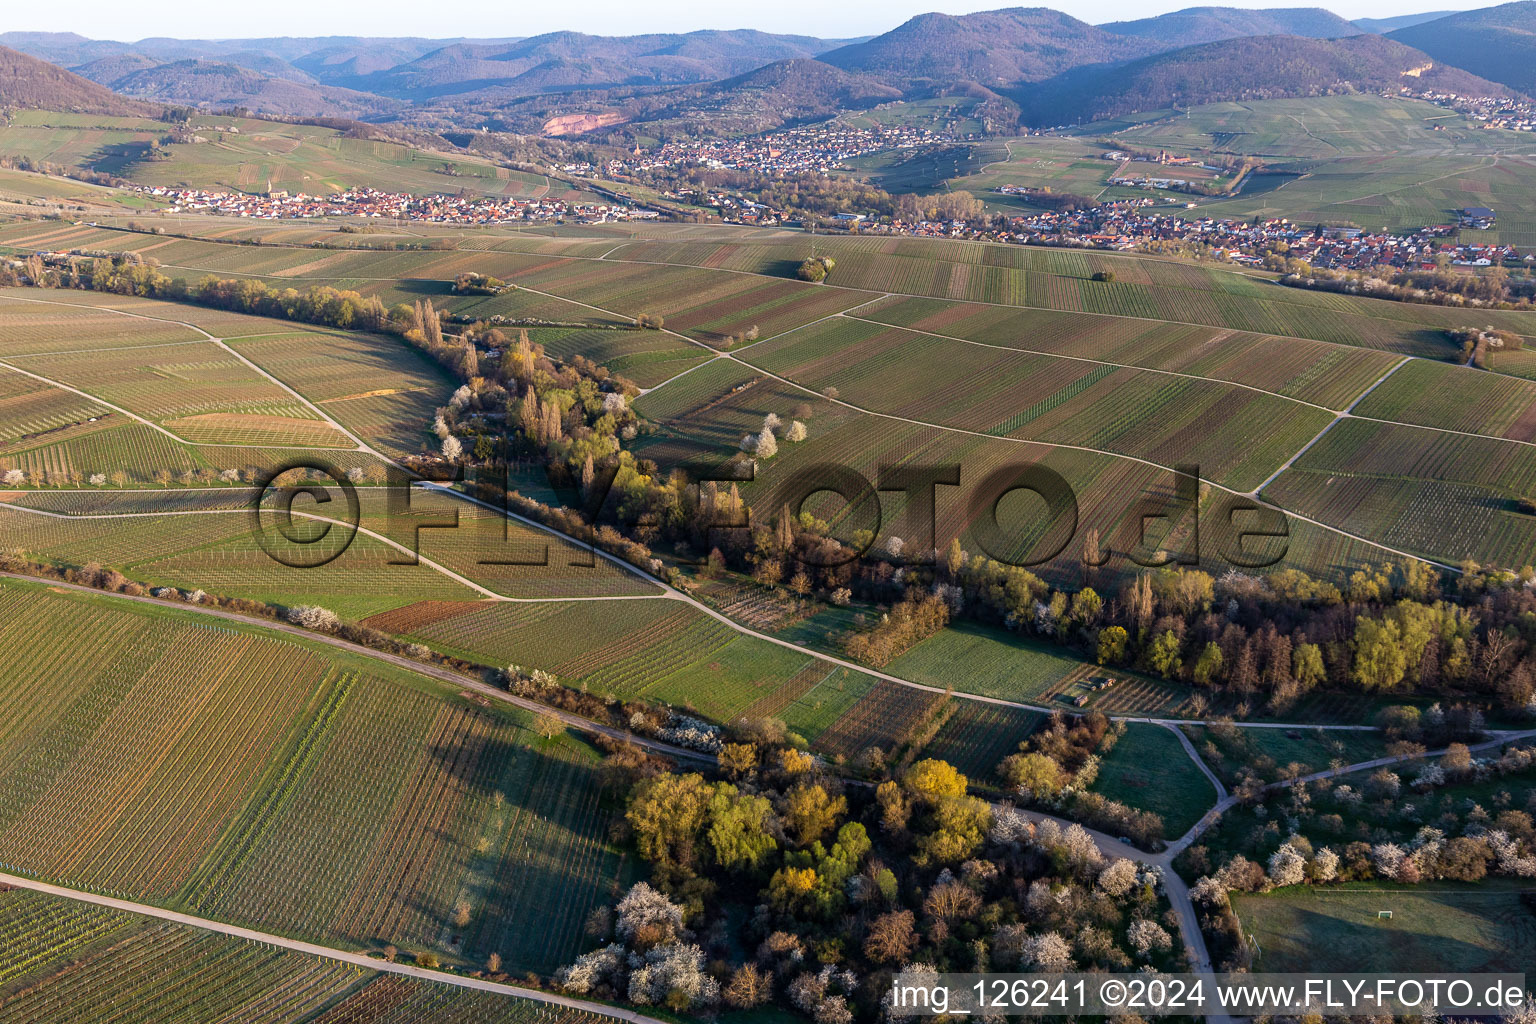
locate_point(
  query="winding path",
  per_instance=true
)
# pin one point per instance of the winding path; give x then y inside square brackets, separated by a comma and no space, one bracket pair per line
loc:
[1174,886]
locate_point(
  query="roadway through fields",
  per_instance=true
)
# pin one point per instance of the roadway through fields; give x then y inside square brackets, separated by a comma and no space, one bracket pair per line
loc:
[1015,440]
[1174,886]
[675,594]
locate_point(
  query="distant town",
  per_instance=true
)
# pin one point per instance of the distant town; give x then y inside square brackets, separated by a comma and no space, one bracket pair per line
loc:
[403,206]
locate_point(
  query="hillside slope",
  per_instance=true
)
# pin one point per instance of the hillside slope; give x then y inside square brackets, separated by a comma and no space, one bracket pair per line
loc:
[1385,25]
[29,83]
[995,49]
[1498,43]
[219,84]
[1210,24]
[566,60]
[1262,67]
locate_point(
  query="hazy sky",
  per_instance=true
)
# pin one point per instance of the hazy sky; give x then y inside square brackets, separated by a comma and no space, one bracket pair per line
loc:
[111,19]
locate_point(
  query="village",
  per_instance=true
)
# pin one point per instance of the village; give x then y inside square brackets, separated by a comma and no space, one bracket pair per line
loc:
[809,149]
[464,209]
[1136,223]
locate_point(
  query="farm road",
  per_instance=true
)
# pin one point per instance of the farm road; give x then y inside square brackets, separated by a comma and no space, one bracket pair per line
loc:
[1174,886]
[325,952]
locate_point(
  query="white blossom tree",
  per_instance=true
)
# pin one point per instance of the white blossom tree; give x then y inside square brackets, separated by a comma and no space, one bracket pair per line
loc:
[1047,953]
[1387,859]
[1326,865]
[645,909]
[1287,867]
[796,432]
[673,974]
[1147,937]
[452,449]
[310,616]
[1119,878]
[593,969]
[1208,891]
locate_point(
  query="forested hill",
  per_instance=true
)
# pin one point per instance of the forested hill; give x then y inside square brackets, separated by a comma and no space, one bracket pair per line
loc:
[1210,24]
[29,83]
[1262,67]
[1498,43]
[995,49]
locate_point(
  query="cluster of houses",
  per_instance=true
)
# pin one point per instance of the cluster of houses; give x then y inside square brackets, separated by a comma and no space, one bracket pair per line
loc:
[734,206]
[810,149]
[1129,224]
[401,206]
[1515,115]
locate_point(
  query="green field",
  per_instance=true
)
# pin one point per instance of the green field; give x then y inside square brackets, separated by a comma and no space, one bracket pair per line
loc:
[995,664]
[1437,926]
[1272,753]
[1149,769]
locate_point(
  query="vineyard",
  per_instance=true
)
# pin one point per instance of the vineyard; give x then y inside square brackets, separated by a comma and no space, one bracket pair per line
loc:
[885,717]
[29,408]
[67,323]
[1236,436]
[256,781]
[996,664]
[832,696]
[219,553]
[645,357]
[1309,371]
[726,683]
[1455,398]
[119,773]
[978,736]
[163,973]
[1442,495]
[614,641]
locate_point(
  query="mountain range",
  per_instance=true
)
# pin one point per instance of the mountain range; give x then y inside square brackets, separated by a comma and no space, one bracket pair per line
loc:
[1495,42]
[1048,66]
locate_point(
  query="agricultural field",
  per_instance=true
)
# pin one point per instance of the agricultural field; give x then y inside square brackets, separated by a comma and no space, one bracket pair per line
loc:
[1442,495]
[1315,372]
[1147,768]
[267,783]
[1457,398]
[1437,926]
[244,154]
[885,717]
[995,664]
[1237,437]
[205,539]
[1333,125]
[573,640]
[119,967]
[977,736]
[648,358]
[198,392]
[215,976]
